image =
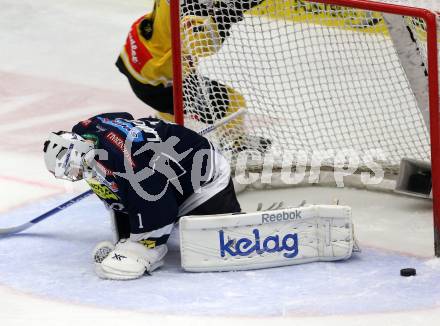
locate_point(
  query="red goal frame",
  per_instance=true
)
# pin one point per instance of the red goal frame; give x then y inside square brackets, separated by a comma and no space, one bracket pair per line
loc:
[430,19]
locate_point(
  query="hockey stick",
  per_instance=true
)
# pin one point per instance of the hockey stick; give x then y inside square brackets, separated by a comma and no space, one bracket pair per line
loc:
[27,225]
[221,122]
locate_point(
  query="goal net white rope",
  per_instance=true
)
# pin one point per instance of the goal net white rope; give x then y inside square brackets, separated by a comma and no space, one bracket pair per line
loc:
[316,79]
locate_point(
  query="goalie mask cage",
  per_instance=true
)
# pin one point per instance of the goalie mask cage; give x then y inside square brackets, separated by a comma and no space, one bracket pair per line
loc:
[328,76]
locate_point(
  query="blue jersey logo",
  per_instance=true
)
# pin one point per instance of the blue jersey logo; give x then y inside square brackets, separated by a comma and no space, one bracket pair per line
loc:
[272,243]
[134,134]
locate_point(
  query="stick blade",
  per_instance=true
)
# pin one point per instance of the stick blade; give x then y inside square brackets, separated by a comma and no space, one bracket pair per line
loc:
[15,229]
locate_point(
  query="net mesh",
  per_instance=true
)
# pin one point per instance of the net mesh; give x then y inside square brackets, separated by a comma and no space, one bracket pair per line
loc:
[314,80]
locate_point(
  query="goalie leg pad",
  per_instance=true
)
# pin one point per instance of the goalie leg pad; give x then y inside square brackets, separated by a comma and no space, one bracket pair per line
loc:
[266,239]
[130,260]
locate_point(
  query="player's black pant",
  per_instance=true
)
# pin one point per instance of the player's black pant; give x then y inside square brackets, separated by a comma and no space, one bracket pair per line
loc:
[223,202]
[160,98]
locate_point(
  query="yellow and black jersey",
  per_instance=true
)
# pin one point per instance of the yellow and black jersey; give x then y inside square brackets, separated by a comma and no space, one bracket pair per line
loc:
[147,54]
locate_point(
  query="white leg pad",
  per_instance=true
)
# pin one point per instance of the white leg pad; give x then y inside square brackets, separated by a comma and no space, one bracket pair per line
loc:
[266,239]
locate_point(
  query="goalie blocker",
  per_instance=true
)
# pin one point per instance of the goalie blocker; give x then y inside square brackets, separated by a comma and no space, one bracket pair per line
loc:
[244,241]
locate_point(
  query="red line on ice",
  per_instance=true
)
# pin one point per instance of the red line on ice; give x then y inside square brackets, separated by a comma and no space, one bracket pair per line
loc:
[31,182]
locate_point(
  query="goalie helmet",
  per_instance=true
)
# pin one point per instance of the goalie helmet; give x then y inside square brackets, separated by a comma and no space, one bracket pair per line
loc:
[63,155]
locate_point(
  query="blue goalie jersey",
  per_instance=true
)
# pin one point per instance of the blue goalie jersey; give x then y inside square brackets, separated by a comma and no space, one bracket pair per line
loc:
[151,171]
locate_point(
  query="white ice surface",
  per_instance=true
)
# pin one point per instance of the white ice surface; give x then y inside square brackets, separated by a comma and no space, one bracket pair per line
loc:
[56,66]
[52,260]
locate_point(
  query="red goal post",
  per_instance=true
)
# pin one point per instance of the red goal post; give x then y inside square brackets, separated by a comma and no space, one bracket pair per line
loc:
[431,21]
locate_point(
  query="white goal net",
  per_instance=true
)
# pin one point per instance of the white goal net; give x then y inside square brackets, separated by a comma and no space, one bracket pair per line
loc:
[315,78]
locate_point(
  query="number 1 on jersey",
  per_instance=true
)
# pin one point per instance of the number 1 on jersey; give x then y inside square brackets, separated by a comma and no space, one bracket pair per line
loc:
[141,226]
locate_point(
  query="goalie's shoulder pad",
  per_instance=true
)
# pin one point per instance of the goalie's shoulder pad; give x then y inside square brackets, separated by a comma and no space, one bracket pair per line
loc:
[200,36]
[266,239]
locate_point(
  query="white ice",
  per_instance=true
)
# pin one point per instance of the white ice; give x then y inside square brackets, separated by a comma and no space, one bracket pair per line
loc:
[56,67]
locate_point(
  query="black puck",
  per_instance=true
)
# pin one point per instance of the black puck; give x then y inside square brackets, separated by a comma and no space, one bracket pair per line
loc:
[408,272]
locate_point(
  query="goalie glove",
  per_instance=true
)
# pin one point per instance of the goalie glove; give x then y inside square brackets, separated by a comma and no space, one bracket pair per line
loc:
[130,260]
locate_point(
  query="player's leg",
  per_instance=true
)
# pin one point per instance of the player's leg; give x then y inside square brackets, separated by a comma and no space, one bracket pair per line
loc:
[228,13]
[223,202]
[159,98]
[258,239]
[217,196]
[209,100]
[235,132]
